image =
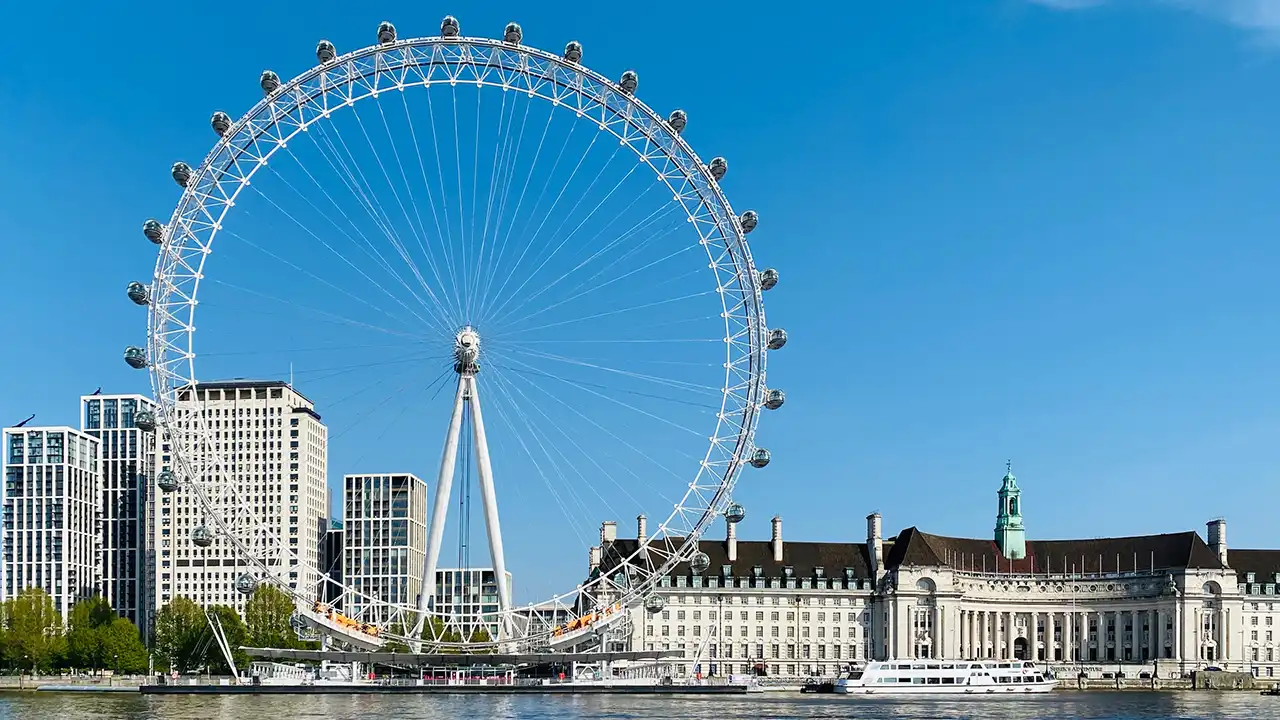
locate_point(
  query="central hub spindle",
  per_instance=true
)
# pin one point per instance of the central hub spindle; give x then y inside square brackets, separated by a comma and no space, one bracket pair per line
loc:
[466,351]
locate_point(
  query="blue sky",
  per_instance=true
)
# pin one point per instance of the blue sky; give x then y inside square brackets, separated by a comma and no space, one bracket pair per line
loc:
[1006,229]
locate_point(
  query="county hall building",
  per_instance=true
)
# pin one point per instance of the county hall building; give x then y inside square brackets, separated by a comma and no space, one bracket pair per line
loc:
[1171,602]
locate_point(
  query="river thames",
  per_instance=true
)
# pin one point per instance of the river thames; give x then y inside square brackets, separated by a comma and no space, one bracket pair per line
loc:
[1131,705]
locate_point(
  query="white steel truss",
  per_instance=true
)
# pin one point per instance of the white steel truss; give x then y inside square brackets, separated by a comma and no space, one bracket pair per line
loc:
[312,97]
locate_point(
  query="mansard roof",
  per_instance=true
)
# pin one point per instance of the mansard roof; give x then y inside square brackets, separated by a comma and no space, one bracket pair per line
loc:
[802,557]
[1094,556]
[1264,564]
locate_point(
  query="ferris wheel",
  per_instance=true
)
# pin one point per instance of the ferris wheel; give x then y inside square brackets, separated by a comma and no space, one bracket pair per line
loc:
[462,217]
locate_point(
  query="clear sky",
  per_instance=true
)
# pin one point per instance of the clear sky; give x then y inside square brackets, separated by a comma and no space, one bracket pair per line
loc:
[1042,231]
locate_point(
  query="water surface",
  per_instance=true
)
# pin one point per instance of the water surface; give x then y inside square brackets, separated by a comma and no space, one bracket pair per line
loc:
[1129,705]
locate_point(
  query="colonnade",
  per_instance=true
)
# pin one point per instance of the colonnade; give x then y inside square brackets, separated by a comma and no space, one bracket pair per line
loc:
[1070,636]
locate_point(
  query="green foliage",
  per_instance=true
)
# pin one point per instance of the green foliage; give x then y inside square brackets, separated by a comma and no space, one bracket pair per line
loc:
[237,637]
[33,637]
[86,634]
[267,616]
[481,635]
[181,628]
[122,647]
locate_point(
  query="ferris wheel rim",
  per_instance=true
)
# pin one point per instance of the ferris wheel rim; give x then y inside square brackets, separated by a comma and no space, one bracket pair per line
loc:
[727,223]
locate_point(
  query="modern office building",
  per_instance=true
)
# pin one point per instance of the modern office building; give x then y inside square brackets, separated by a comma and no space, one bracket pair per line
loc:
[273,448]
[127,466]
[1164,603]
[51,492]
[331,553]
[469,597]
[385,538]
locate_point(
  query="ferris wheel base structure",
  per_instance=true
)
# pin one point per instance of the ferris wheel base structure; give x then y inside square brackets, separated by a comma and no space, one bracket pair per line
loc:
[333,630]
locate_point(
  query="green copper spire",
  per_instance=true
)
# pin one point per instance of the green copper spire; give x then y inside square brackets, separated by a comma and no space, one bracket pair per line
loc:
[1011,536]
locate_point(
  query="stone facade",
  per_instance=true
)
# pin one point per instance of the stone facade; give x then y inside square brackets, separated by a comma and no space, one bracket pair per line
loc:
[1172,601]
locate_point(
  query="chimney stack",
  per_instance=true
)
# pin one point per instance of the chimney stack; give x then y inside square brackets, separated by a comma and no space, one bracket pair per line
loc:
[593,560]
[732,539]
[642,529]
[608,532]
[875,545]
[1218,538]
[776,539]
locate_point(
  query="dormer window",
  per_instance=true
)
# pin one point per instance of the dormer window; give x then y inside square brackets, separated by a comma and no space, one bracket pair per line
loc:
[757,571]
[788,571]
[848,573]
[726,570]
[819,571]
[1250,577]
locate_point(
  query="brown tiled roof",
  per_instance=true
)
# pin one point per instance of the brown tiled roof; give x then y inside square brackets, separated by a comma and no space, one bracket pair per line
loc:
[1123,554]
[802,557]
[1263,563]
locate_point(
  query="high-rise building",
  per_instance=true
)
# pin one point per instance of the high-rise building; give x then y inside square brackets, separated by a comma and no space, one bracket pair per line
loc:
[51,493]
[331,545]
[127,466]
[273,450]
[384,520]
[465,595]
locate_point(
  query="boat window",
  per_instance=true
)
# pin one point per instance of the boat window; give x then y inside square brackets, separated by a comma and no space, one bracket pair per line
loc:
[948,666]
[948,681]
[1004,665]
[1017,678]
[934,681]
[1028,664]
[932,667]
[1039,678]
[917,681]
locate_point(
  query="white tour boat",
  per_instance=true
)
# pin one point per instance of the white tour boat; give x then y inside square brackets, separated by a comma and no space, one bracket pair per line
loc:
[941,677]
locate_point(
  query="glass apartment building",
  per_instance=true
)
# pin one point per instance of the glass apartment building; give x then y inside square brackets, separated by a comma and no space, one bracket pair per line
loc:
[127,466]
[385,541]
[51,490]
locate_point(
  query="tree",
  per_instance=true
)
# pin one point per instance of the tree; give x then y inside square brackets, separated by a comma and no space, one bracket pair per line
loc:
[481,635]
[85,630]
[237,637]
[122,647]
[180,630]
[33,630]
[267,616]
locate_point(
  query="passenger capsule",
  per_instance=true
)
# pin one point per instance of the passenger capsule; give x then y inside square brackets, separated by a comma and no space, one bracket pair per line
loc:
[386,33]
[768,279]
[699,563]
[221,123]
[777,338]
[749,221]
[718,167]
[201,537]
[678,120]
[774,399]
[270,82]
[513,34]
[181,173]
[734,513]
[449,26]
[144,421]
[325,52]
[573,52]
[136,357]
[654,604]
[246,584]
[167,481]
[630,81]
[759,458]
[153,230]
[138,293]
